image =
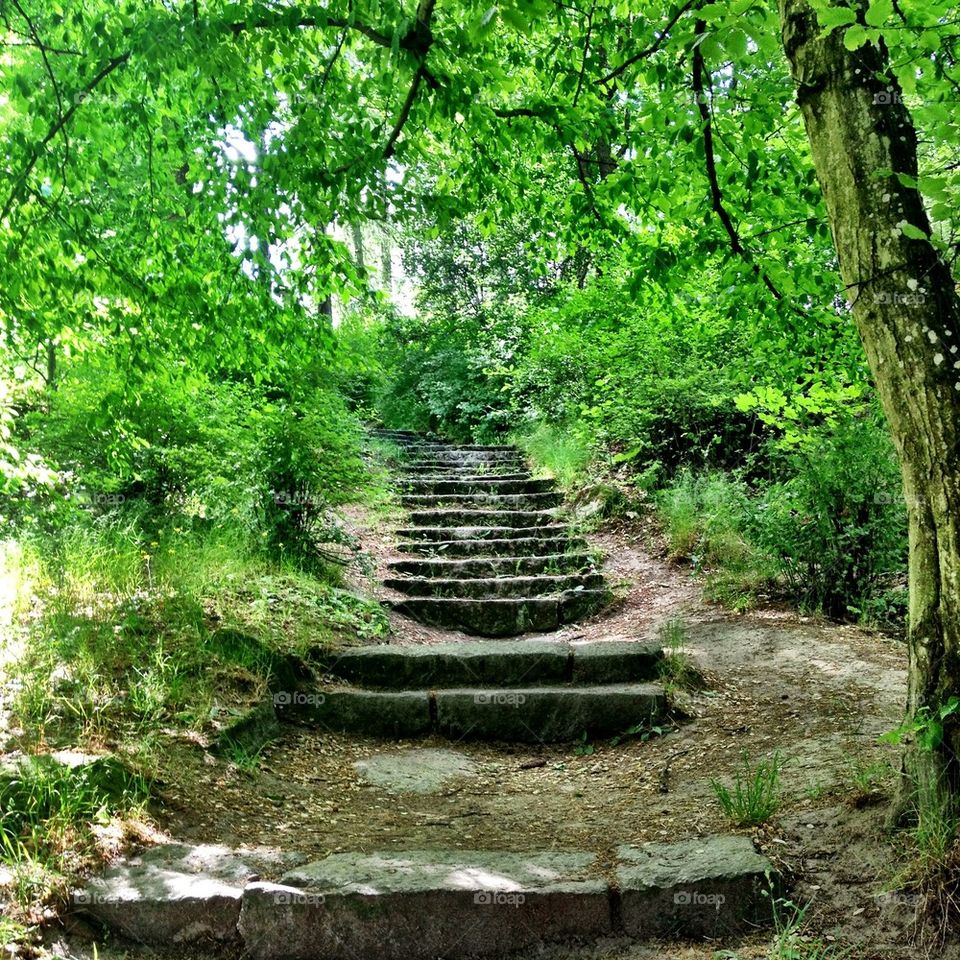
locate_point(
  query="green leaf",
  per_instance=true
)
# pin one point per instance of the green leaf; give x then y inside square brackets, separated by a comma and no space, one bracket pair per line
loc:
[880,11]
[834,17]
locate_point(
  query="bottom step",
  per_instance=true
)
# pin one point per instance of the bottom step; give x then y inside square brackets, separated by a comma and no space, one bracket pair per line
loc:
[517,715]
[496,617]
[419,905]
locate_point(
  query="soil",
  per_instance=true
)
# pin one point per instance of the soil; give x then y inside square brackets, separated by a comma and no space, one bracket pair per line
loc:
[817,693]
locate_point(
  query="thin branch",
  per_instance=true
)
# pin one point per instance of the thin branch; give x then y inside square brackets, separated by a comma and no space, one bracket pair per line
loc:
[650,50]
[701,84]
[61,122]
[586,52]
[391,144]
[341,23]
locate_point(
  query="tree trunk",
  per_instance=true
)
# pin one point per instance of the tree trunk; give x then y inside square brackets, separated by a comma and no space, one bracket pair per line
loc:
[386,259]
[358,257]
[906,310]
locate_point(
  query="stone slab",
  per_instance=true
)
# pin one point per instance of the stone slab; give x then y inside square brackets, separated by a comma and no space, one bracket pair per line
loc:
[176,893]
[546,714]
[415,771]
[615,661]
[421,905]
[502,662]
[705,887]
[403,713]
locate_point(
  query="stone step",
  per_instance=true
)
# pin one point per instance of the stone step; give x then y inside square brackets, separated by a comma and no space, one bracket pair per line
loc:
[551,563]
[482,518]
[505,663]
[483,588]
[527,714]
[552,532]
[454,448]
[405,435]
[493,501]
[502,617]
[485,485]
[421,468]
[495,471]
[420,905]
[468,477]
[525,546]
[415,454]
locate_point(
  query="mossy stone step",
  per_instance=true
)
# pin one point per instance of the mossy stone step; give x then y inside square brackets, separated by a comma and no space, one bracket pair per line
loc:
[455,471]
[422,904]
[482,518]
[467,476]
[479,500]
[457,448]
[486,485]
[525,714]
[525,546]
[551,533]
[507,663]
[482,588]
[501,617]
[513,566]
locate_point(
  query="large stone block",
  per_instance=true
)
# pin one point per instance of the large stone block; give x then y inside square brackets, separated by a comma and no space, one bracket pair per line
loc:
[424,905]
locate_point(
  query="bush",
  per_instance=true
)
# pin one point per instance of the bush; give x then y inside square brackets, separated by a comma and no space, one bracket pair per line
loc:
[837,523]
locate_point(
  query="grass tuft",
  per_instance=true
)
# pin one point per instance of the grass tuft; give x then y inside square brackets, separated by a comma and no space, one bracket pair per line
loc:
[755,795]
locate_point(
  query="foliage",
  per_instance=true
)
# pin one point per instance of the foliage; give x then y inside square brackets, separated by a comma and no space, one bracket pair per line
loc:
[837,523]
[755,796]
[675,668]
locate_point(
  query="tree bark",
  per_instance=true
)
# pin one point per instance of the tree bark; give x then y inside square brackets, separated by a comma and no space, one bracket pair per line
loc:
[905,307]
[358,257]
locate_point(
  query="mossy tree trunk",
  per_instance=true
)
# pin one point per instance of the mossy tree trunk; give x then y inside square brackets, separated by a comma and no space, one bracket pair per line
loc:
[905,307]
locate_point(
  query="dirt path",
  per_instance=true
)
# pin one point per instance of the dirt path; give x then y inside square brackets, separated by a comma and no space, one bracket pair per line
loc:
[820,694]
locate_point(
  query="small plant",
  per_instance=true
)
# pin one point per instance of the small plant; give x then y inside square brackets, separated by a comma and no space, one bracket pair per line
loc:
[642,731]
[675,668]
[243,757]
[791,940]
[756,792]
[583,747]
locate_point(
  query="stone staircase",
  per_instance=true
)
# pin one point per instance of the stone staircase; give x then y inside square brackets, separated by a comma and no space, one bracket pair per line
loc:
[525,691]
[490,552]
[488,555]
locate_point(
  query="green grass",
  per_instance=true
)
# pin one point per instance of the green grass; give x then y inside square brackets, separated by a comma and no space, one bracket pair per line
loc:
[557,451]
[675,667]
[755,793]
[119,635]
[792,939]
[705,518]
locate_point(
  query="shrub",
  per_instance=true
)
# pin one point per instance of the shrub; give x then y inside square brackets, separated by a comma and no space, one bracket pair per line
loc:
[837,523]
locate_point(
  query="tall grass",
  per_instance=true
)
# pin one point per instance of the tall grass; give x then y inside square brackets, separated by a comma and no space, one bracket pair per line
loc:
[706,518]
[558,451]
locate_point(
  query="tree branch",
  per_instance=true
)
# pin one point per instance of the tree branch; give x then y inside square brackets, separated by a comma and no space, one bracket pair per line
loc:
[402,118]
[701,84]
[651,49]
[61,122]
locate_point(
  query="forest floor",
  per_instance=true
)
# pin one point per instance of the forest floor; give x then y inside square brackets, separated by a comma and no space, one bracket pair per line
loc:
[819,694]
